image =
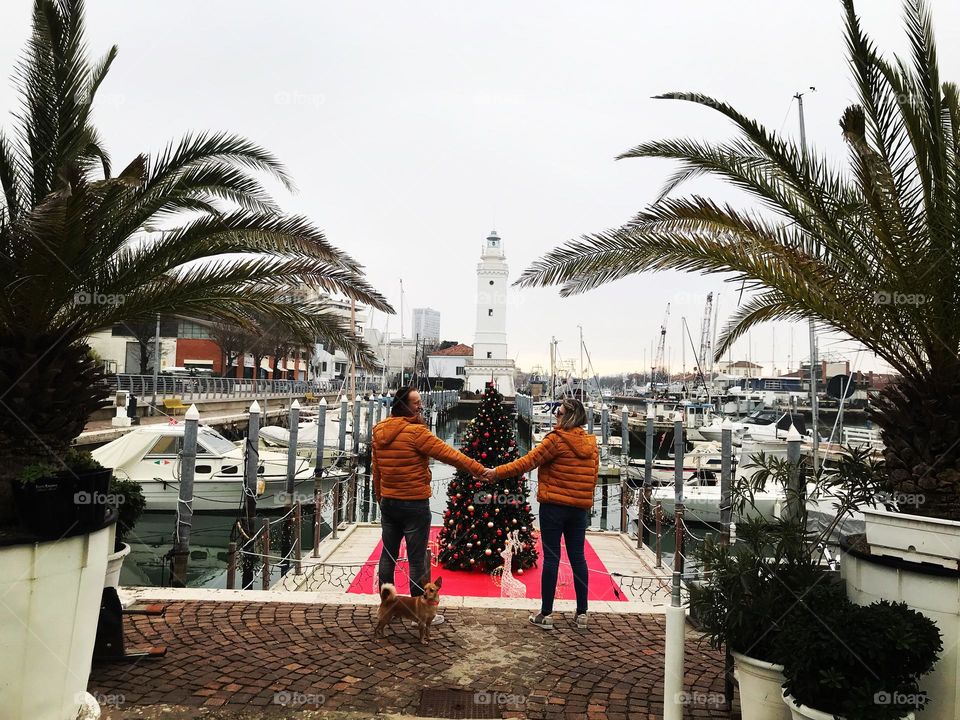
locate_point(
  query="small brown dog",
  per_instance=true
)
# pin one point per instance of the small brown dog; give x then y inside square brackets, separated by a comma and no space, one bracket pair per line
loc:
[422,610]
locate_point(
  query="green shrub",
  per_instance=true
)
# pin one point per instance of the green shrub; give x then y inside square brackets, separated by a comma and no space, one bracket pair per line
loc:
[858,662]
[130,505]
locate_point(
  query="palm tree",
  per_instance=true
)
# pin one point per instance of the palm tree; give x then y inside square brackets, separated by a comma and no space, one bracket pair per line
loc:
[869,250]
[192,231]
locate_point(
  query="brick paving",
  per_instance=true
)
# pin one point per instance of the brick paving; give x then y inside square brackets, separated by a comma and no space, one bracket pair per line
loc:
[250,656]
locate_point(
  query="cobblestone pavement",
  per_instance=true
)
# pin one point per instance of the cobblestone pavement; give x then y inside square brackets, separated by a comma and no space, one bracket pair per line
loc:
[265,660]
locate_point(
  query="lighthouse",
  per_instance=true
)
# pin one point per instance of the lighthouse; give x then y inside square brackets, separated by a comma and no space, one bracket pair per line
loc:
[490,361]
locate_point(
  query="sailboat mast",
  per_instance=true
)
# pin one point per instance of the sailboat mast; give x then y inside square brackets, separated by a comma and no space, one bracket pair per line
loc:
[353,365]
[403,365]
[582,376]
[813,328]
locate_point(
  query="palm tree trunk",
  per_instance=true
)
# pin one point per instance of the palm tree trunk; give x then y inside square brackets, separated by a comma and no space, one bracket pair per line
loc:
[920,426]
[49,390]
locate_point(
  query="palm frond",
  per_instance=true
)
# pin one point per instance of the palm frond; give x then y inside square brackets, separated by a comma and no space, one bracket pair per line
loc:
[194,149]
[868,252]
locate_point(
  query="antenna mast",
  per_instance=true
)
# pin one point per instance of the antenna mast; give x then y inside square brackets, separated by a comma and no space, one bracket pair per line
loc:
[657,371]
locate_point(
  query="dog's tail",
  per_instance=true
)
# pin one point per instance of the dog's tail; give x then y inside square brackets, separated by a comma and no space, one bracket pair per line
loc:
[387,592]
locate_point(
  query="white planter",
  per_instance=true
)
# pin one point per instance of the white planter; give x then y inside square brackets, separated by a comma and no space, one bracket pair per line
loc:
[48,623]
[761,691]
[802,712]
[114,563]
[913,538]
[932,591]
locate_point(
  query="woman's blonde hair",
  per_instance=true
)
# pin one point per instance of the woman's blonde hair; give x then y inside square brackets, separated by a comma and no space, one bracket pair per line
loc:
[574,414]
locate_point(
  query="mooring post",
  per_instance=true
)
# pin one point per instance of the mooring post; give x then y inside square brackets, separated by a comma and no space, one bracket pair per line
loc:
[266,553]
[250,487]
[317,519]
[188,463]
[658,520]
[290,498]
[321,438]
[342,440]
[648,456]
[726,480]
[678,447]
[297,536]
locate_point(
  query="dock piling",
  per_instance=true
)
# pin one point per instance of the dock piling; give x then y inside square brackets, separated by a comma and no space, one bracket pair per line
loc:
[188,464]
[266,554]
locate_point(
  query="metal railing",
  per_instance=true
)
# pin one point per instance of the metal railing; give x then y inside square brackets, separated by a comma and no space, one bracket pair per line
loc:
[216,388]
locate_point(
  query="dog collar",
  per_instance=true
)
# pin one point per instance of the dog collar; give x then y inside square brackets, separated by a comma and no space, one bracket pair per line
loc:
[432,602]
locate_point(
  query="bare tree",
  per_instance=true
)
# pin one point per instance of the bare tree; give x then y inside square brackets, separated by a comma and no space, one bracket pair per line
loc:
[233,342]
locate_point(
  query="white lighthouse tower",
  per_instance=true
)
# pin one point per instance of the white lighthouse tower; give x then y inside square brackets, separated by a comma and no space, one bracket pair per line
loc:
[490,361]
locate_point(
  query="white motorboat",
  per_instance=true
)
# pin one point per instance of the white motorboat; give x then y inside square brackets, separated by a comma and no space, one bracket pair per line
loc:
[701,484]
[703,461]
[278,436]
[696,416]
[701,499]
[764,423]
[151,455]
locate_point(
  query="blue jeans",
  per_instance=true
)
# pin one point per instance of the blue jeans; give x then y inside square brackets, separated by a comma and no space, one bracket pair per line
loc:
[571,523]
[401,519]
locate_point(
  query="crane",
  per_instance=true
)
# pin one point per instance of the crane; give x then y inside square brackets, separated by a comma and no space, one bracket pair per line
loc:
[705,356]
[657,371]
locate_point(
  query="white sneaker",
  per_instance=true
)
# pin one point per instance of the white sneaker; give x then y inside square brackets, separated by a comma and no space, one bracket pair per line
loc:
[542,621]
[581,621]
[437,620]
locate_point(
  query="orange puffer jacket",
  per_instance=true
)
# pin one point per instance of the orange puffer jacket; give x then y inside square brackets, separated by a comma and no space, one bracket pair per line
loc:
[568,462]
[401,466]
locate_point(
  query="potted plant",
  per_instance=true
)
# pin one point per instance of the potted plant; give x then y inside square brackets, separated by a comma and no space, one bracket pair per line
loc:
[741,606]
[55,502]
[855,662]
[128,497]
[752,584]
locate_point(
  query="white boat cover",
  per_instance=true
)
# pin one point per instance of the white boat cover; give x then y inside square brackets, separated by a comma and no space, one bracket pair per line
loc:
[128,448]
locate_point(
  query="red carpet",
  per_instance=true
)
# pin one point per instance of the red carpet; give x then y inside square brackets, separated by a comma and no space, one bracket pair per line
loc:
[461,583]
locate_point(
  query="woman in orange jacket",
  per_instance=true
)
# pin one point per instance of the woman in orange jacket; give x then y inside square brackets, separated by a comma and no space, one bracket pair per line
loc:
[569,462]
[401,451]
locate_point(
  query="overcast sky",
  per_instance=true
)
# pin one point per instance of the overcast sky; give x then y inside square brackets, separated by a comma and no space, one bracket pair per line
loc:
[412,129]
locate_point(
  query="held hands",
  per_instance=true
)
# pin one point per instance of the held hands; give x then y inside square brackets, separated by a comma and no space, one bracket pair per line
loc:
[489,474]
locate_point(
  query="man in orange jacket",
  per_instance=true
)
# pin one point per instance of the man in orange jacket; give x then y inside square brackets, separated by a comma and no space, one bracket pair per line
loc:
[402,448]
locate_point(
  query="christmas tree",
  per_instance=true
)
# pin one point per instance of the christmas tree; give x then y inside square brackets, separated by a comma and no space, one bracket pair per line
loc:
[481,514]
